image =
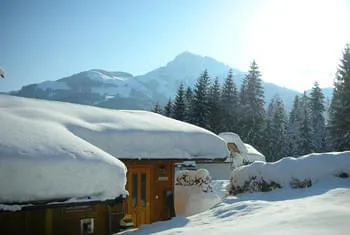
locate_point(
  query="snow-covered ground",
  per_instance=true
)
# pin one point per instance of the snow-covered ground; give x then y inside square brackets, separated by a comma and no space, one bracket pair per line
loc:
[322,209]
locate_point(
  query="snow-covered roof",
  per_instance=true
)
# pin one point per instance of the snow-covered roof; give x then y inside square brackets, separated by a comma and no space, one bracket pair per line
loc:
[54,150]
[231,137]
[253,154]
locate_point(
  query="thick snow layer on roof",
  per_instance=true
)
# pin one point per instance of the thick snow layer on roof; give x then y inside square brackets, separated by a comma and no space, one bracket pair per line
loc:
[52,150]
[253,154]
[42,160]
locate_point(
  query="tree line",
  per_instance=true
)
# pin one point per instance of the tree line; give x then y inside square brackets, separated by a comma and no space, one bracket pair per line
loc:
[305,129]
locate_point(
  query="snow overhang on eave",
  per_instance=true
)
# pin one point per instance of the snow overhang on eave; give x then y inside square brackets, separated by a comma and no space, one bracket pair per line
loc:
[207,160]
[32,205]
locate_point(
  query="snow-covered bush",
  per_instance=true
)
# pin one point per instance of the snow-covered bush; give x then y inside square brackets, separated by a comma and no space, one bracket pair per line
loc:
[342,175]
[296,183]
[200,177]
[254,184]
[290,172]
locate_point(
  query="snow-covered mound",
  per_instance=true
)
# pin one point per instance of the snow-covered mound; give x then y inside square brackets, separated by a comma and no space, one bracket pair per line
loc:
[288,171]
[200,178]
[193,192]
[52,150]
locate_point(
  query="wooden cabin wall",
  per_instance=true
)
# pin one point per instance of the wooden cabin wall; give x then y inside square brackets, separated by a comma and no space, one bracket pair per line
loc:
[62,220]
[23,222]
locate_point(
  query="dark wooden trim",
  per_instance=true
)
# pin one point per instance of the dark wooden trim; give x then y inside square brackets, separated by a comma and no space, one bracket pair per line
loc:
[175,160]
[61,203]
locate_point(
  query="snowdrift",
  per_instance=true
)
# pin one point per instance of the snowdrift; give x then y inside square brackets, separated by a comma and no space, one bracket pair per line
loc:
[288,171]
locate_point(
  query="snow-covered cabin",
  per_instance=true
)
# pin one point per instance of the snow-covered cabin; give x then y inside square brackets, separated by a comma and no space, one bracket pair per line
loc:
[52,181]
[55,137]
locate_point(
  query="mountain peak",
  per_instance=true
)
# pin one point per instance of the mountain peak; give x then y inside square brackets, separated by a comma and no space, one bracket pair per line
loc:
[186,56]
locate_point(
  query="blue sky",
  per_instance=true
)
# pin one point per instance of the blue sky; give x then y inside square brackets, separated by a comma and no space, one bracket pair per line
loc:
[294,42]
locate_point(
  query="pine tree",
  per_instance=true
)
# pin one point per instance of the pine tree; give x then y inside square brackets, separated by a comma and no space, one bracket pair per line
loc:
[252,112]
[293,129]
[179,108]
[168,109]
[201,102]
[188,104]
[215,114]
[276,128]
[339,113]
[157,108]
[305,133]
[229,104]
[317,119]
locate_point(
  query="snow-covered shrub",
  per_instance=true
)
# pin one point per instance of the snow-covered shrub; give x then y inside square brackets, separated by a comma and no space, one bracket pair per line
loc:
[200,178]
[284,171]
[254,184]
[247,162]
[342,175]
[296,183]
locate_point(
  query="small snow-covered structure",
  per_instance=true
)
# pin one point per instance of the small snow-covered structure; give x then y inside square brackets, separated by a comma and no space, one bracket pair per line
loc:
[240,153]
[91,142]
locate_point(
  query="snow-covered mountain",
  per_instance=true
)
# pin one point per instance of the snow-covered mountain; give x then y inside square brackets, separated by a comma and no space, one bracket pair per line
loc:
[124,91]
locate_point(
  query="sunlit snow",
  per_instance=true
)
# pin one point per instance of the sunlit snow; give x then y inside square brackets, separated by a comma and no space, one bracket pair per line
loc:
[322,209]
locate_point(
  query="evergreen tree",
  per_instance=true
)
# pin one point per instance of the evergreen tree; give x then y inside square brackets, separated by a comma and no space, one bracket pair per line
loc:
[276,128]
[229,104]
[188,104]
[305,139]
[317,119]
[214,107]
[157,108]
[339,114]
[252,112]
[200,108]
[179,108]
[168,109]
[293,129]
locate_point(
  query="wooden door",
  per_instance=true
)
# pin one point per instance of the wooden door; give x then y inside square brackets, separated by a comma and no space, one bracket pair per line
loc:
[138,186]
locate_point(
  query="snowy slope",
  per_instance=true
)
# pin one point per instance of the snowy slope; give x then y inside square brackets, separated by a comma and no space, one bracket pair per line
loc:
[322,209]
[52,150]
[97,81]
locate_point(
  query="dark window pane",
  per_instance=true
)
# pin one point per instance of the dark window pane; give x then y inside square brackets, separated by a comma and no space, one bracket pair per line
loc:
[134,190]
[143,190]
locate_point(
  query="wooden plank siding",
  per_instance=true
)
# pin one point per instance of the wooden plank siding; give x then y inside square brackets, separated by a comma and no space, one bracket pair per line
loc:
[63,219]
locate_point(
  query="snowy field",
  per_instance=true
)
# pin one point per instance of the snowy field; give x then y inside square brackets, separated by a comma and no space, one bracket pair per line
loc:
[322,209]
